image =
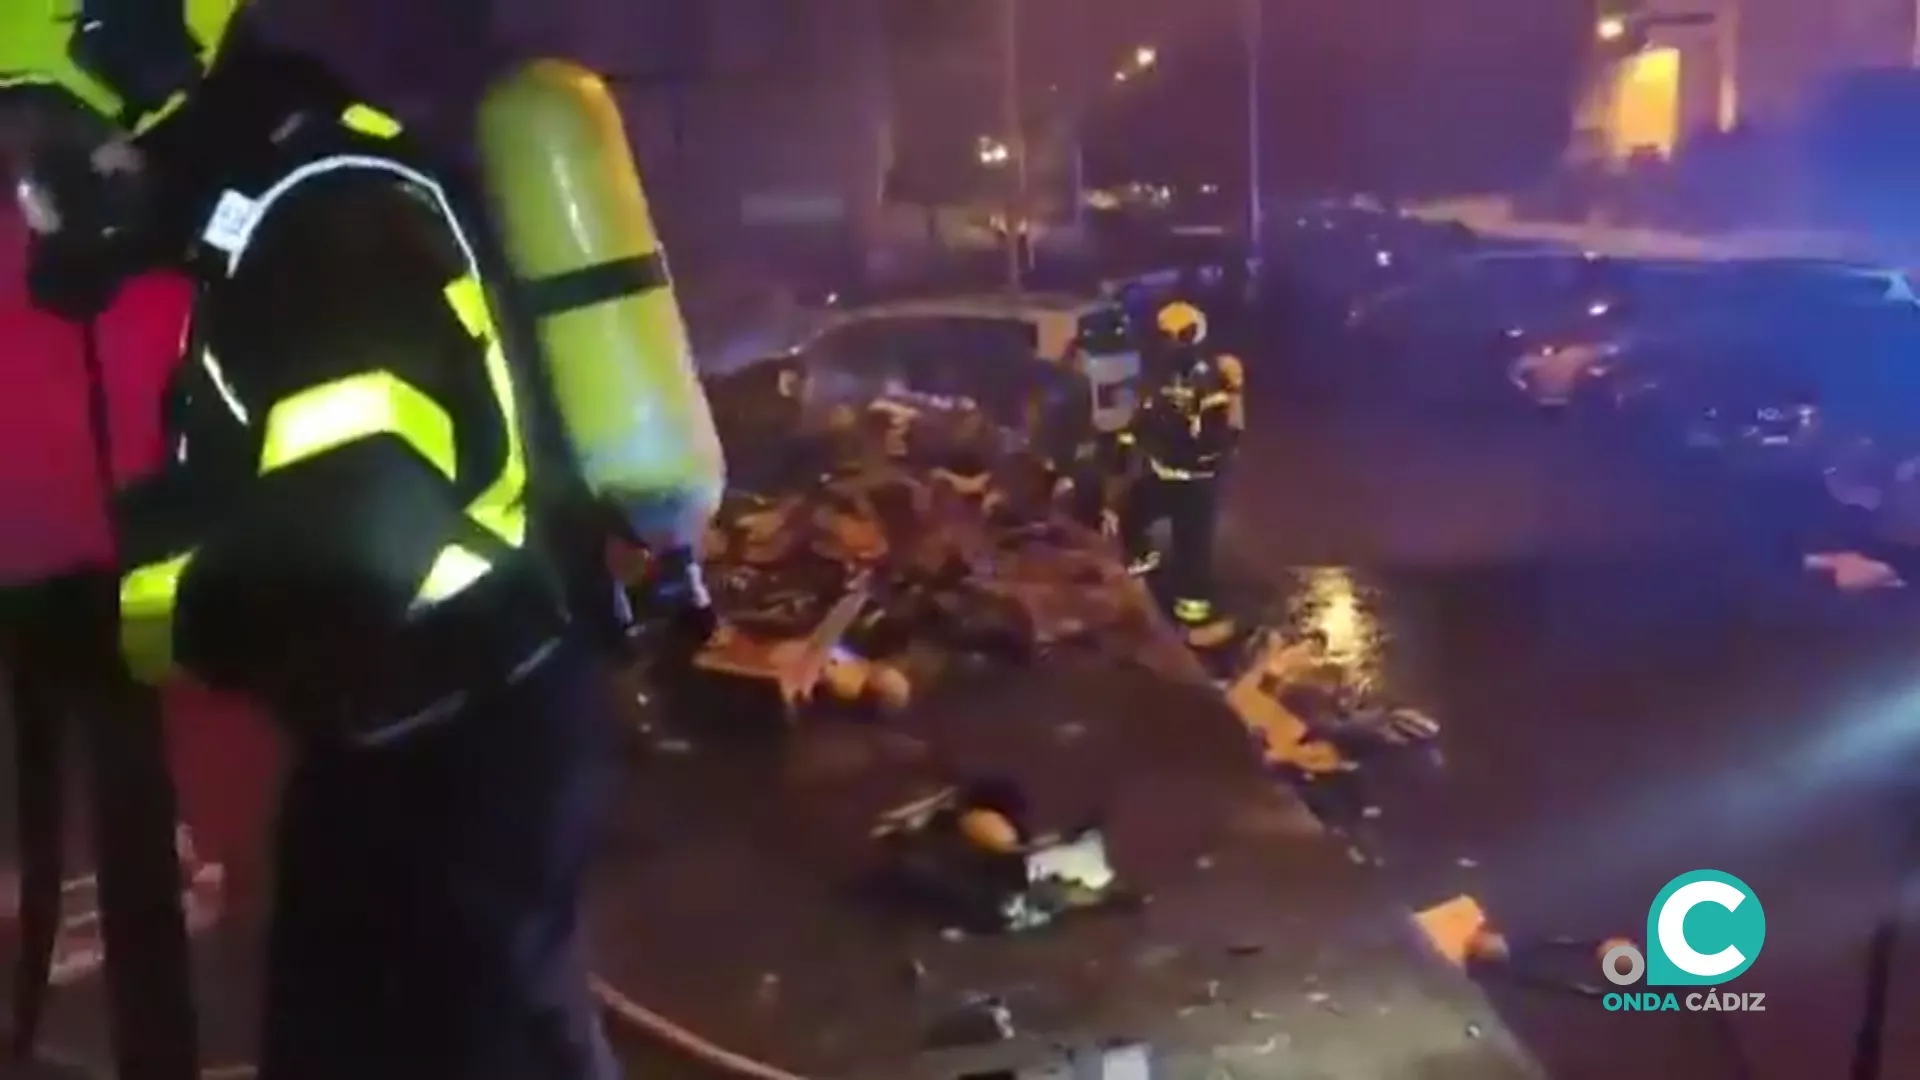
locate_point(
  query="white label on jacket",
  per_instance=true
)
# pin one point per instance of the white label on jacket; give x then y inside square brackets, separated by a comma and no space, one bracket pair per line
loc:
[233,220]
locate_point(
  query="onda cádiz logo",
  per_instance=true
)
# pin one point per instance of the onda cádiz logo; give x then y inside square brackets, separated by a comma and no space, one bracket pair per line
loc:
[1705,928]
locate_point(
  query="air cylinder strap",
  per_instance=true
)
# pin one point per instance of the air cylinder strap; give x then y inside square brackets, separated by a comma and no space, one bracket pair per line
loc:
[590,286]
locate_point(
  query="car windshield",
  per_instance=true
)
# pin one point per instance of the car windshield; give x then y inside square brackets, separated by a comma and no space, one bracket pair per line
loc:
[983,357]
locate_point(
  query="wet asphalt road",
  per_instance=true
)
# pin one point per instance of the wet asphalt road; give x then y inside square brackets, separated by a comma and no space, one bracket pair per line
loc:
[1634,682]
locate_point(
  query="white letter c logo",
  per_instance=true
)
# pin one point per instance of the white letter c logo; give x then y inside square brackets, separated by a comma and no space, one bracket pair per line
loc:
[1673,928]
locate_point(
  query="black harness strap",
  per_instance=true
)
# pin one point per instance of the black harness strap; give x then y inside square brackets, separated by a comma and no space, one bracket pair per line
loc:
[596,284]
[134,814]
[143,925]
[41,793]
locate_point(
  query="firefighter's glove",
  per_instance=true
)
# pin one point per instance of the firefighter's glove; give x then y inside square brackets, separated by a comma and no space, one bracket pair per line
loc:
[676,594]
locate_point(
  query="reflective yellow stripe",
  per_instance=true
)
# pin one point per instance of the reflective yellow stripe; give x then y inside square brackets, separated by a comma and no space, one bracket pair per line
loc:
[454,570]
[370,121]
[1165,472]
[501,508]
[147,597]
[1192,610]
[328,416]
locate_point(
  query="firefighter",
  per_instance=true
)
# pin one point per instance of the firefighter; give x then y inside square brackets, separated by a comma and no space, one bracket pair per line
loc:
[1186,429]
[353,528]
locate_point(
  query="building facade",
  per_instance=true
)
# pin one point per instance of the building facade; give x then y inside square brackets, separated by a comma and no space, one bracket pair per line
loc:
[1666,70]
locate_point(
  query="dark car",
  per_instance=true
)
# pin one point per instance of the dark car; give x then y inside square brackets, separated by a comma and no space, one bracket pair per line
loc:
[1679,312]
[1455,335]
[1783,387]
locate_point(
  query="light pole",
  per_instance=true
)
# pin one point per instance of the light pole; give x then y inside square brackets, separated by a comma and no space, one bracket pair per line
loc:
[1256,217]
[1016,138]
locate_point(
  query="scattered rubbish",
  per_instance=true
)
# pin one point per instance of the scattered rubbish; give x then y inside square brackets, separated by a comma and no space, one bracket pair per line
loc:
[1260,1049]
[1451,928]
[1350,719]
[1370,813]
[1282,735]
[1465,863]
[1319,998]
[1459,931]
[976,1021]
[970,855]
[1313,717]
[1475,1031]
[1156,956]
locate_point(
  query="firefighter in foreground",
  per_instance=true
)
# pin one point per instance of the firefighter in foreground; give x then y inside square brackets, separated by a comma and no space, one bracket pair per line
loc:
[351,526]
[1186,430]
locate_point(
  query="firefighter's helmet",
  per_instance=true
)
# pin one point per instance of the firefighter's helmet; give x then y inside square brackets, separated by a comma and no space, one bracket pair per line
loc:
[130,61]
[1182,322]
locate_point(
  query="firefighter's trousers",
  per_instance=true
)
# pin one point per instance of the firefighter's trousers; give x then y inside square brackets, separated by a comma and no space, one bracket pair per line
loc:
[427,895]
[1190,507]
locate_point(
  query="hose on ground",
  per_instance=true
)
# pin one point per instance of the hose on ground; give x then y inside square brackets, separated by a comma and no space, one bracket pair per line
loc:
[644,1021]
[624,1011]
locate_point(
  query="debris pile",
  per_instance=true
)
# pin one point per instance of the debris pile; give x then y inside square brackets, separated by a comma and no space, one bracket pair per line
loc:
[865,548]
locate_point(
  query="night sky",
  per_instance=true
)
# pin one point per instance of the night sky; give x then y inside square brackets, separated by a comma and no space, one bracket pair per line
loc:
[1359,93]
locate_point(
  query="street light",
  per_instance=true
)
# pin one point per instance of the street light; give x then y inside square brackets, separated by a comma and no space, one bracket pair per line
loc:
[1144,58]
[1611,28]
[992,152]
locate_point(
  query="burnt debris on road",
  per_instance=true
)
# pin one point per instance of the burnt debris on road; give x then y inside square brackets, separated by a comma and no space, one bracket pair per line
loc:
[1067,840]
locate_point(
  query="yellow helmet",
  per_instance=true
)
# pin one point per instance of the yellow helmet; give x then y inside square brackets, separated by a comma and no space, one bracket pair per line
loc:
[1182,322]
[131,61]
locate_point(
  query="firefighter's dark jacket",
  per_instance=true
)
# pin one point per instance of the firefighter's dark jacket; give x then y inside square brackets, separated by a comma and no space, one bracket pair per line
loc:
[1185,426]
[342,525]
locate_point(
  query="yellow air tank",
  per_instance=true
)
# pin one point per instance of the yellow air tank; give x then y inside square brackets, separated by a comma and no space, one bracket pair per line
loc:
[573,219]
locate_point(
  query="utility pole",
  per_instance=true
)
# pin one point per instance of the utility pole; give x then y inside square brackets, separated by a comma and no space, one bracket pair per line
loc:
[1253,33]
[1079,93]
[1731,68]
[1016,138]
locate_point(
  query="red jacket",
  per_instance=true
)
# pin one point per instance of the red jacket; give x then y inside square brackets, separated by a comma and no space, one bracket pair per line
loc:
[53,519]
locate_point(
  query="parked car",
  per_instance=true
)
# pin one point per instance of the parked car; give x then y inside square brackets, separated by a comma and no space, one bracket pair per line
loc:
[1483,324]
[996,351]
[1784,388]
[1682,306]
